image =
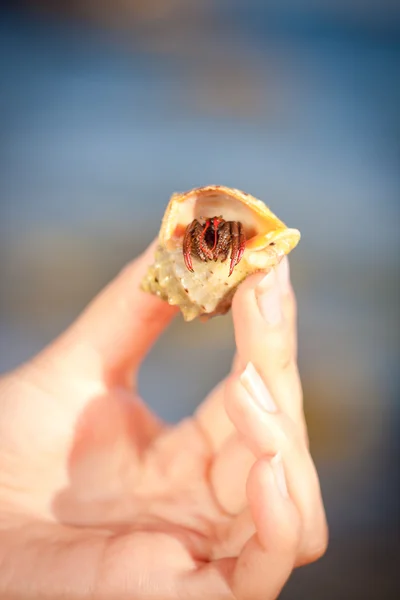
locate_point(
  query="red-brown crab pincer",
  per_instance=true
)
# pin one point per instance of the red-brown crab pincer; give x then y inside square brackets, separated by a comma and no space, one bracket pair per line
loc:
[213,240]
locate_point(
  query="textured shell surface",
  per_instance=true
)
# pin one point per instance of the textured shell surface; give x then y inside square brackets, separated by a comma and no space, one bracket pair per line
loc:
[209,290]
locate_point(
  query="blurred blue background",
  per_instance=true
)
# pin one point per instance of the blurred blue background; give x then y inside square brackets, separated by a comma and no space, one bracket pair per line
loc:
[107,108]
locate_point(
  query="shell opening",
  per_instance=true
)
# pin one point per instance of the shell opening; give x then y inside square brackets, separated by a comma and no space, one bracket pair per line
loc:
[200,205]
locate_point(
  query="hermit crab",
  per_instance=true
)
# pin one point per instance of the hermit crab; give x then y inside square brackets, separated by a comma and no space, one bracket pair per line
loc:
[211,239]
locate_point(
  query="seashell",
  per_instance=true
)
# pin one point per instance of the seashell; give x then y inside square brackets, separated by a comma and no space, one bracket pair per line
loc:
[208,289]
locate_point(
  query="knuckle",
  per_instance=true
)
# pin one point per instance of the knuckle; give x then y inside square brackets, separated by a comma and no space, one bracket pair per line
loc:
[287,443]
[290,303]
[282,358]
[284,361]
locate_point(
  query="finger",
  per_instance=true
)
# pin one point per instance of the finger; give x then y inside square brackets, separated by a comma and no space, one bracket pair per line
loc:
[211,414]
[230,454]
[264,320]
[268,432]
[267,560]
[115,332]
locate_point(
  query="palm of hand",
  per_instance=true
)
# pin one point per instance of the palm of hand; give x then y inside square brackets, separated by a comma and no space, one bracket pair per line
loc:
[124,479]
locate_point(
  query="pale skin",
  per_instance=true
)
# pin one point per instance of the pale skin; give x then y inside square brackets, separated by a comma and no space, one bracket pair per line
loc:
[99,499]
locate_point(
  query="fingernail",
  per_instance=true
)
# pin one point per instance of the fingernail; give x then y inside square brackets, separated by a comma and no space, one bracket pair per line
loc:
[283,275]
[269,298]
[256,388]
[279,473]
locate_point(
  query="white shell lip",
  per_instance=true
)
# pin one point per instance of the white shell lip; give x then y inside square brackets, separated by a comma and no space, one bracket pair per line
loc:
[288,237]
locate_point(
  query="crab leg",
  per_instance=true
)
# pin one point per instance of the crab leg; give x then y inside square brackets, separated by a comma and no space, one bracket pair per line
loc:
[187,245]
[202,243]
[238,244]
[242,243]
[224,241]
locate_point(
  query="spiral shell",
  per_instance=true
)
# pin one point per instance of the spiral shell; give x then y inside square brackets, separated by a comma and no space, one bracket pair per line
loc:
[208,291]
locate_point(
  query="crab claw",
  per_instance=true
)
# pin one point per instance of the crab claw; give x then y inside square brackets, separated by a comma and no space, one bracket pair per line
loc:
[188,261]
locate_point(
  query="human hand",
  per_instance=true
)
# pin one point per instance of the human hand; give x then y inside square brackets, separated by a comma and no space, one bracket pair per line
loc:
[100,499]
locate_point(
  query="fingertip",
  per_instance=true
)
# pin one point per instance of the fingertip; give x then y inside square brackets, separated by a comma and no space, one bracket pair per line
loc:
[257,310]
[273,289]
[246,290]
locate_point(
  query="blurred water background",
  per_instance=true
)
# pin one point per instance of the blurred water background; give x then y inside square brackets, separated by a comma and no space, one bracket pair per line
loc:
[106,108]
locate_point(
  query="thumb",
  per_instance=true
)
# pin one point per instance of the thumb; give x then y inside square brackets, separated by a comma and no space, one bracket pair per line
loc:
[114,333]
